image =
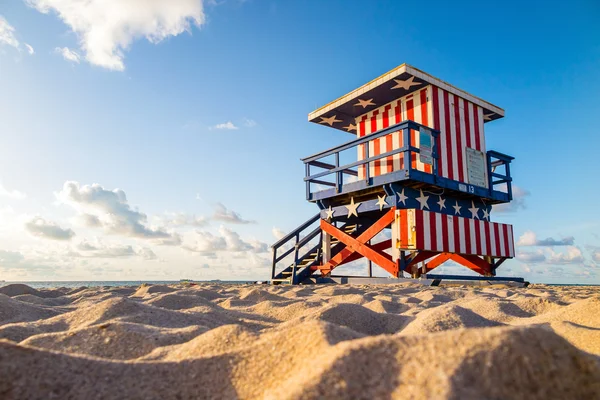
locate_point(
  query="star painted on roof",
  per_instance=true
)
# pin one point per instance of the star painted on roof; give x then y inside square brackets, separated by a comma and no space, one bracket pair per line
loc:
[401,197]
[364,103]
[400,84]
[381,202]
[488,117]
[330,120]
[474,211]
[422,199]
[486,214]
[442,203]
[329,213]
[352,208]
[350,127]
[457,208]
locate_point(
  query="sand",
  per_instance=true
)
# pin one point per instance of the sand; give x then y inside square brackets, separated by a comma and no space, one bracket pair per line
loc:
[404,341]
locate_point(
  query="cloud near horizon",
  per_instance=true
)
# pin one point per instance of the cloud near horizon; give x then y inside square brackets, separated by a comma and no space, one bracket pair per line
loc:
[529,238]
[42,228]
[106,29]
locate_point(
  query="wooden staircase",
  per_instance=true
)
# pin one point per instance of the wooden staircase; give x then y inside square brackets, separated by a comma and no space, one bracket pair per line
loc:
[304,260]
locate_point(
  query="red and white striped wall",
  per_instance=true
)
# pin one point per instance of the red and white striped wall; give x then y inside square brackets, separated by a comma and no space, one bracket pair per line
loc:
[426,230]
[459,121]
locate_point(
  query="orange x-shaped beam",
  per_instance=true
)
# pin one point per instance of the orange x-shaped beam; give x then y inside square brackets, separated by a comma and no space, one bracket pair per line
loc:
[360,245]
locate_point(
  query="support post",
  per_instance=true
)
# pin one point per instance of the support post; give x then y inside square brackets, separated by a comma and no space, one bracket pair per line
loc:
[326,247]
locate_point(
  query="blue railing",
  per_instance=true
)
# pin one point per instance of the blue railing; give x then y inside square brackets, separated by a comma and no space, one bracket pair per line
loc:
[333,174]
[407,149]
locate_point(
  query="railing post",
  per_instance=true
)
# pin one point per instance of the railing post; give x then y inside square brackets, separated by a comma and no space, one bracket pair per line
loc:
[408,152]
[339,179]
[274,258]
[490,172]
[508,180]
[367,166]
[307,174]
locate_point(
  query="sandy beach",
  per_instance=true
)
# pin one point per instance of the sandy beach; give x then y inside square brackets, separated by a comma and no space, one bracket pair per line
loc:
[257,341]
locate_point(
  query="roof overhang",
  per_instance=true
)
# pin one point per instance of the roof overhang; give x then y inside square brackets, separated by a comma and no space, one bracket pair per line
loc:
[390,86]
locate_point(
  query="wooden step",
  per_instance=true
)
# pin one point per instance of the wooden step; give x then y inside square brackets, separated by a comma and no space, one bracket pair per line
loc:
[279,281]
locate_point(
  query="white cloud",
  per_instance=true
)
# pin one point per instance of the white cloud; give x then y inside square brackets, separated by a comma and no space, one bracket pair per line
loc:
[107,28]
[227,240]
[278,233]
[223,214]
[517,203]
[30,49]
[39,227]
[183,219]
[226,125]
[99,249]
[572,256]
[68,54]
[7,34]
[529,238]
[249,123]
[13,194]
[596,256]
[110,210]
[531,257]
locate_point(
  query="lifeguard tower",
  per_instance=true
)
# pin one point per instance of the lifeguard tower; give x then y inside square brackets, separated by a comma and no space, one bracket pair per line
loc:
[413,190]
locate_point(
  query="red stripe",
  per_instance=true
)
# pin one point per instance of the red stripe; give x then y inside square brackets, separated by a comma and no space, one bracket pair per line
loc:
[505,240]
[457,239]
[425,118]
[410,111]
[448,134]
[436,125]
[488,239]
[388,139]
[476,125]
[376,144]
[477,237]
[397,112]
[459,149]
[467,124]
[497,238]
[403,229]
[445,243]
[467,235]
[432,231]
[420,229]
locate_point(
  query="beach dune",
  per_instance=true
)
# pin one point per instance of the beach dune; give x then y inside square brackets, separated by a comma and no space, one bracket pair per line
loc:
[311,342]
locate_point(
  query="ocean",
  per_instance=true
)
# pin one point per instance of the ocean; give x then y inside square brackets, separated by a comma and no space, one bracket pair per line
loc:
[76,284]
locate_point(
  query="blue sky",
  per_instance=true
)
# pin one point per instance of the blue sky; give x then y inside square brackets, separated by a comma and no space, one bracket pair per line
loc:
[98,92]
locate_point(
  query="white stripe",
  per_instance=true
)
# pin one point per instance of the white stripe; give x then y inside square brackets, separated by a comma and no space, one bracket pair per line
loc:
[426,231]
[462,240]
[463,136]
[430,106]
[494,251]
[473,249]
[443,133]
[361,151]
[501,241]
[452,137]
[472,125]
[481,133]
[511,249]
[396,144]
[417,118]
[439,232]
[450,220]
[482,228]
[503,244]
